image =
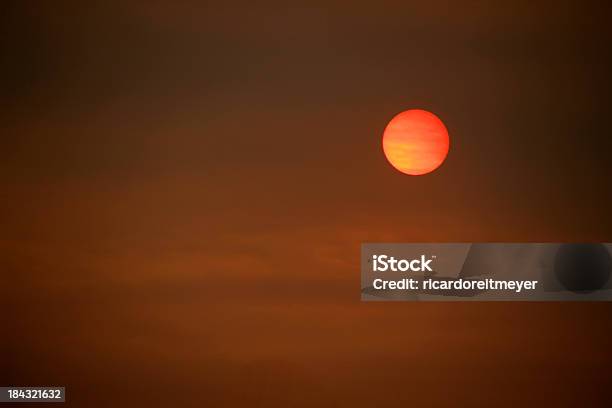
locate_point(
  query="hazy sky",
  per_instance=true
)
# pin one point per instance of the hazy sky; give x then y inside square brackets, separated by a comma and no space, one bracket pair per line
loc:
[186,185]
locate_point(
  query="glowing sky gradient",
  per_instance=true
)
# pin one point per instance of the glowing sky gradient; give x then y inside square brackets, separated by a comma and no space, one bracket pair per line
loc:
[415,142]
[186,186]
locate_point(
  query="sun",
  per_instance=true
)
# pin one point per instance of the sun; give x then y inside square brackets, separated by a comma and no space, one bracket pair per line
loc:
[416,142]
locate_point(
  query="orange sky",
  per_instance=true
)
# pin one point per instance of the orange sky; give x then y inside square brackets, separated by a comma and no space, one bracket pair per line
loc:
[185,189]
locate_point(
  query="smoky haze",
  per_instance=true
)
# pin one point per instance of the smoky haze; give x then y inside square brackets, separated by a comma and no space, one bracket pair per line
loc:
[186,185]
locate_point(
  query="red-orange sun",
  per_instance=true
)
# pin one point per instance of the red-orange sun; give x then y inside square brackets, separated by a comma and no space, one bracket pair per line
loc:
[415,142]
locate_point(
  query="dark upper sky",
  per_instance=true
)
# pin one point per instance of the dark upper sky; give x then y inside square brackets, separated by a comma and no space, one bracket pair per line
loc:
[186,184]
